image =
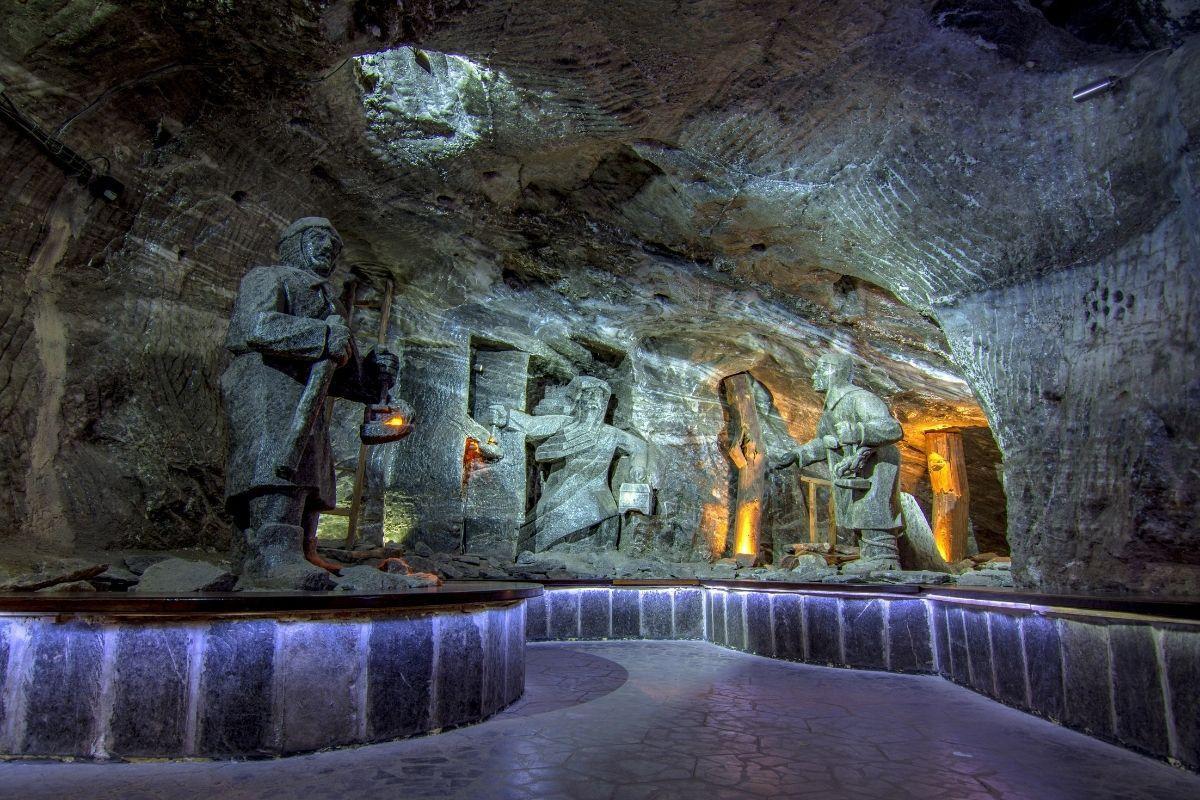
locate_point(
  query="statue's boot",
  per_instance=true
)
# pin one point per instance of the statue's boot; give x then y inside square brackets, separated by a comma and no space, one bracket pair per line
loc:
[878,552]
[275,561]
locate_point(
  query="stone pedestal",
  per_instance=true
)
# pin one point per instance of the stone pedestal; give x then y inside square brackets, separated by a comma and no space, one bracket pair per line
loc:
[315,673]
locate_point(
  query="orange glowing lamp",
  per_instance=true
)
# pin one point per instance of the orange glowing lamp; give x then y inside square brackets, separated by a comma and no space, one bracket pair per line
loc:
[748,518]
[386,422]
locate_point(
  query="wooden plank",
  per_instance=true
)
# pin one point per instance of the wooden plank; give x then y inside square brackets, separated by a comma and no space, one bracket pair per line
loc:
[385,314]
[360,470]
[749,455]
[812,512]
[951,497]
[832,519]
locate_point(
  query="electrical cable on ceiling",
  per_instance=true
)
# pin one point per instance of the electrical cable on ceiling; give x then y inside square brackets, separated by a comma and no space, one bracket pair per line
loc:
[74,165]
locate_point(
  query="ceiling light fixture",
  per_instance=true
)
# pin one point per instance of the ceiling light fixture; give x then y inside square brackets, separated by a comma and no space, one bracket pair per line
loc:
[1111,82]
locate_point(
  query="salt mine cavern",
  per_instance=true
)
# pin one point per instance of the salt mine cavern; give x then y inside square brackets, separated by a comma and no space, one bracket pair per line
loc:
[600,399]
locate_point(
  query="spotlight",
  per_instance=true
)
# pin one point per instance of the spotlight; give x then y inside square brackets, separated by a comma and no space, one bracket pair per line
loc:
[101,185]
[1112,82]
[1094,88]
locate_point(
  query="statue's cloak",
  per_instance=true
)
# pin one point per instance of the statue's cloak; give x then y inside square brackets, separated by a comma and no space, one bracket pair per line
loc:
[277,332]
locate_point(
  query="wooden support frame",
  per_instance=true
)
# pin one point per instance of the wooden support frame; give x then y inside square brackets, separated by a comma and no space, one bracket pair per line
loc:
[360,471]
[812,484]
[354,511]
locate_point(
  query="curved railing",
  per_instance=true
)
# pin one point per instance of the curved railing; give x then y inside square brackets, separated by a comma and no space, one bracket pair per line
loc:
[253,675]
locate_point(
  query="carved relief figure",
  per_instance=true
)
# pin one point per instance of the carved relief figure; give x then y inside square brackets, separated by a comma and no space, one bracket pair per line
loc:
[754,441]
[291,350]
[856,437]
[576,495]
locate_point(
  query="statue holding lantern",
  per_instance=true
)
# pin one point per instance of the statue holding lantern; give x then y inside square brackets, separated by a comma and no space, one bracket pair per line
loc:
[292,350]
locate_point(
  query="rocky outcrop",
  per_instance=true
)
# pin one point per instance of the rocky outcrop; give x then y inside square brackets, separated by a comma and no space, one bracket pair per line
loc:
[177,575]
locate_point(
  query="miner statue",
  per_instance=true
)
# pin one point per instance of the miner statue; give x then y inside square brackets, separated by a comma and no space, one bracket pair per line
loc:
[291,350]
[856,437]
[579,448]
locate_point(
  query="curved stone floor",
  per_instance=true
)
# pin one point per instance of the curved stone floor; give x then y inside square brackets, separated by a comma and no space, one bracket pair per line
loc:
[676,720]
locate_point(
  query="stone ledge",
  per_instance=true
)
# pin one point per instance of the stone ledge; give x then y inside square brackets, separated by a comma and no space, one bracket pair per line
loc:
[215,604]
[252,686]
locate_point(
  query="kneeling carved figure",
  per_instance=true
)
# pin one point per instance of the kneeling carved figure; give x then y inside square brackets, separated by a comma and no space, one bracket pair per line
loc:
[576,496]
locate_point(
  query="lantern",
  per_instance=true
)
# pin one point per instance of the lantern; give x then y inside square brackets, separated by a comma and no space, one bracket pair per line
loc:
[386,422]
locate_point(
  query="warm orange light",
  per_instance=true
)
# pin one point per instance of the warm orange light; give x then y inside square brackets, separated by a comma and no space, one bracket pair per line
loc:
[941,537]
[947,479]
[714,525]
[472,458]
[940,482]
[747,528]
[396,421]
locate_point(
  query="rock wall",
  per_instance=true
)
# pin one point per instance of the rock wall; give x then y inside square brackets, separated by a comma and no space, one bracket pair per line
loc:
[1092,381]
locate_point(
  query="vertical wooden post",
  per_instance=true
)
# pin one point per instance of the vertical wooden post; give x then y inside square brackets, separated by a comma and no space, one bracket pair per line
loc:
[360,471]
[349,300]
[951,498]
[749,455]
[812,512]
[832,521]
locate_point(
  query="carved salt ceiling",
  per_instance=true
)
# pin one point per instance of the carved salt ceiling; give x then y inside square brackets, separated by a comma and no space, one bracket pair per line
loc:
[702,179]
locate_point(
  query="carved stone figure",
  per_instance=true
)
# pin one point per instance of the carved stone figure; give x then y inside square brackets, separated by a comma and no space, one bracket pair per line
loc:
[754,440]
[291,350]
[856,437]
[576,495]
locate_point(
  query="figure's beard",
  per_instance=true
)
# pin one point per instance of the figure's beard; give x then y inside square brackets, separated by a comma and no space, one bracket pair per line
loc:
[322,265]
[322,262]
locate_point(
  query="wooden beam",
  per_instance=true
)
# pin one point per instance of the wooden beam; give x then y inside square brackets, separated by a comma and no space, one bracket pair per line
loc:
[749,454]
[832,521]
[951,498]
[812,512]
[360,470]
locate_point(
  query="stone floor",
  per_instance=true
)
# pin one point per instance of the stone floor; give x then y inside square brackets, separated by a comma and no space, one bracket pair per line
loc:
[676,720]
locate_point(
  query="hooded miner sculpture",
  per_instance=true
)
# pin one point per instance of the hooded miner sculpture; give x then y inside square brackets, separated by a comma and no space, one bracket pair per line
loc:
[856,437]
[291,350]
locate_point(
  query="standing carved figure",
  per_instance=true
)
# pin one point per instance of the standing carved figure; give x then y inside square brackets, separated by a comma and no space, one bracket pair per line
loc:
[755,442]
[575,496]
[290,351]
[856,437]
